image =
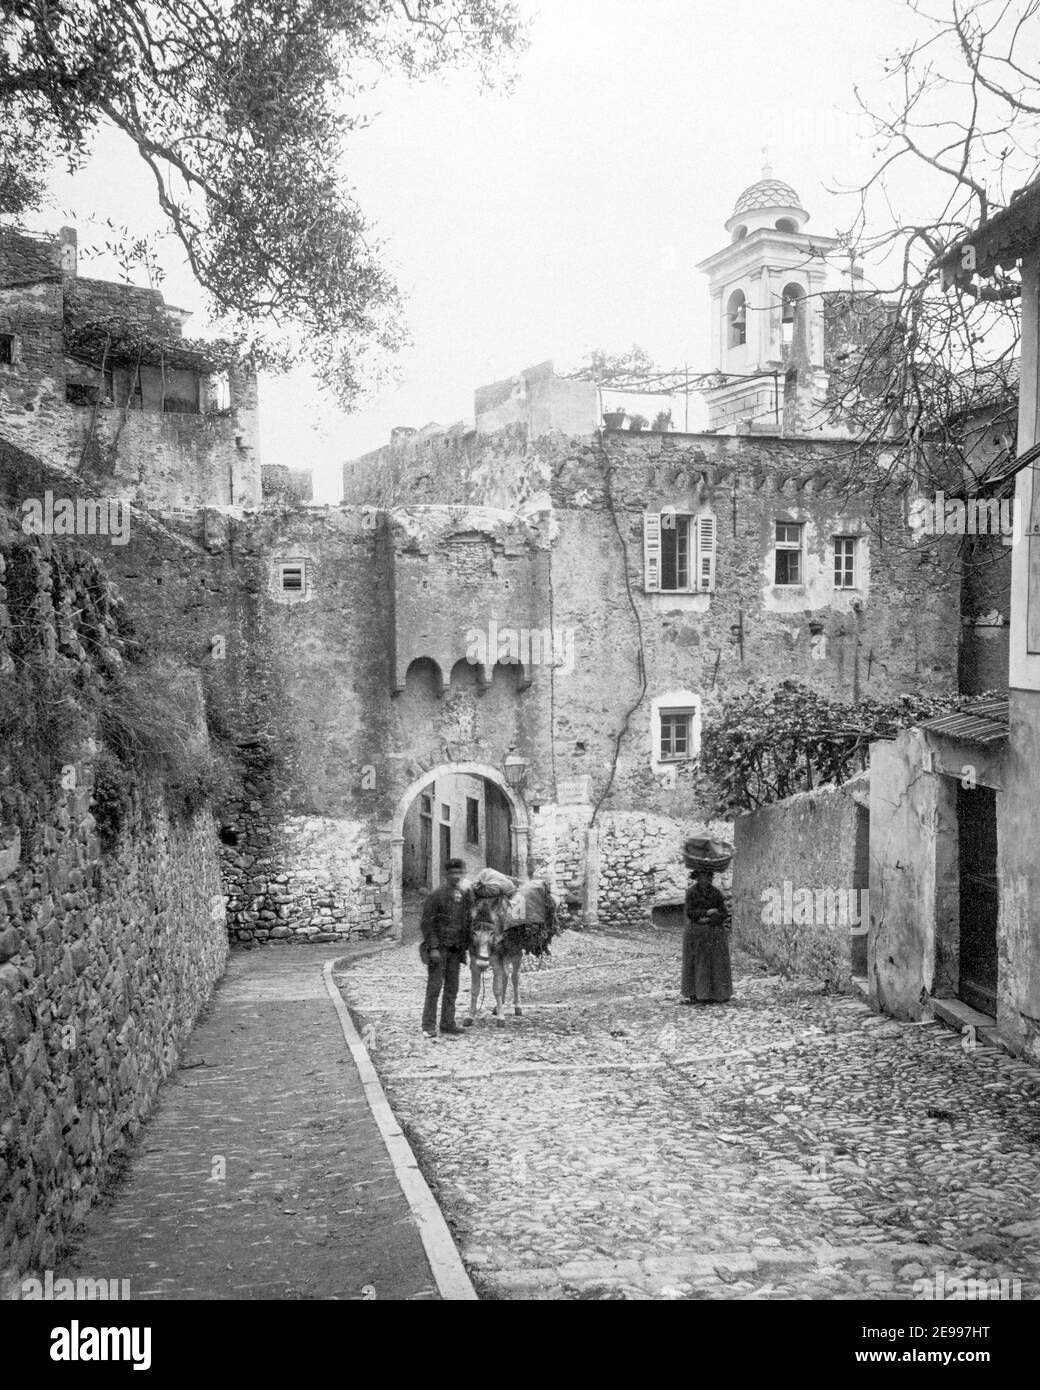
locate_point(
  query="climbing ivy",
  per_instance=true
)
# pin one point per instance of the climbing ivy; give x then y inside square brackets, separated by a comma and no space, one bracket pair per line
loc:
[769,743]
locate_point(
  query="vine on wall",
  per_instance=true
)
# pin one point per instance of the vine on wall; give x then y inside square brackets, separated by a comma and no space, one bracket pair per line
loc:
[766,744]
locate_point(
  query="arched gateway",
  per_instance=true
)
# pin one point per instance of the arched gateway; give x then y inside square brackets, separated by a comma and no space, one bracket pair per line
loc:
[519,828]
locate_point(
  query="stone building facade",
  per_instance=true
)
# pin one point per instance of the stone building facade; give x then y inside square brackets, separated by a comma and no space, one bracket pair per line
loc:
[97,378]
[617,650]
[549,607]
[955,804]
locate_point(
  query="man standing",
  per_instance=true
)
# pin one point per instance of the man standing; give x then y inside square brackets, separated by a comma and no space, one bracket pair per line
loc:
[445,929]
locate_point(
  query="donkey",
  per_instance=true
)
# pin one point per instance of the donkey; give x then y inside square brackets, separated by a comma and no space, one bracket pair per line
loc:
[489,949]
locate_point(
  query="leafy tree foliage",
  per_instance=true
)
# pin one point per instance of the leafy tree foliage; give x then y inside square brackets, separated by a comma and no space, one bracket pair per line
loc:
[766,744]
[240,110]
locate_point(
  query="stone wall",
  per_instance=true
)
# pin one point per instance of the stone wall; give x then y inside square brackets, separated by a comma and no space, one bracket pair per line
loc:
[898,631]
[306,879]
[641,866]
[112,929]
[156,458]
[915,853]
[106,962]
[1018,932]
[985,616]
[800,875]
[340,697]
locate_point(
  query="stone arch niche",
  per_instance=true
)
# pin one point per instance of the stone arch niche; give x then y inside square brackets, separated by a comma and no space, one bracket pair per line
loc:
[425,675]
[519,825]
[791,306]
[736,319]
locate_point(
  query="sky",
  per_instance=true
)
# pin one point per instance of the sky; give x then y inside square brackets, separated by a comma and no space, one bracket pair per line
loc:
[564,215]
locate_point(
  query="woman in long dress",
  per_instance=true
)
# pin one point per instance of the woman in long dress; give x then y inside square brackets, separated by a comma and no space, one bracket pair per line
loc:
[706,976]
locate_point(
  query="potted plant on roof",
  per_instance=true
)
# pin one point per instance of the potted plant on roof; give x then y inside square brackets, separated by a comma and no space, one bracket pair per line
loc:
[637,422]
[613,419]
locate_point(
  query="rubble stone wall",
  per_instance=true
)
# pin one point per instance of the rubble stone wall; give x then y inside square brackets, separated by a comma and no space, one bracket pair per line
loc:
[112,929]
[641,864]
[105,963]
[305,879]
[157,458]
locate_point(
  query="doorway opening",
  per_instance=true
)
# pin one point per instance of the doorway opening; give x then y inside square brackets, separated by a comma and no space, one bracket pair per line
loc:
[979,898]
[473,821]
[462,811]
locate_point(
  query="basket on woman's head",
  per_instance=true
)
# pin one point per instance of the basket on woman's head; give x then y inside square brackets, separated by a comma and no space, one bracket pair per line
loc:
[702,853]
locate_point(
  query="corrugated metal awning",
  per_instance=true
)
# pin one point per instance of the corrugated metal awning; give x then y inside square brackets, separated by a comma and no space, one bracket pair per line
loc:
[1008,235]
[985,722]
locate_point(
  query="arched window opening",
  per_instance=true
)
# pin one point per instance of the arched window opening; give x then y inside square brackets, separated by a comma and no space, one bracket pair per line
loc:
[785,224]
[739,233]
[736,314]
[790,301]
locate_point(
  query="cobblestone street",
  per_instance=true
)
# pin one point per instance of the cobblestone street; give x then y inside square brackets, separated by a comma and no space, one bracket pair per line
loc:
[610,1144]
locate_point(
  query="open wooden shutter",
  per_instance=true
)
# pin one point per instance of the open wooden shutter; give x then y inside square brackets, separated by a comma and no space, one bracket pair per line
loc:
[706,553]
[652,552]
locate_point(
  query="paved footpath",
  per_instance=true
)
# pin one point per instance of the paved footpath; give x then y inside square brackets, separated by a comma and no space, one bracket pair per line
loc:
[261,1173]
[611,1144]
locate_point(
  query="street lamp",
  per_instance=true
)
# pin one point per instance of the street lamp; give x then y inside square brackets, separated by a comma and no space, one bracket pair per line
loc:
[515,769]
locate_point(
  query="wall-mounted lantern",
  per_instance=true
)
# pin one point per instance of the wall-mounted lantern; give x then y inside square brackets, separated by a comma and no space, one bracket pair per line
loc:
[515,769]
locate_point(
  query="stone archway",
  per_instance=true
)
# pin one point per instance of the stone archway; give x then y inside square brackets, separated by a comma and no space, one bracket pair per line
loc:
[519,825]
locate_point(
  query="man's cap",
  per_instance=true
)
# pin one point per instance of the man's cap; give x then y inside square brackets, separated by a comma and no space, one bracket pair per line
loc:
[455,864]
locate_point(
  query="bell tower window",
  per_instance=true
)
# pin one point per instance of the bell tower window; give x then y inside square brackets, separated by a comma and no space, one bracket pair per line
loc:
[736,317]
[785,224]
[790,301]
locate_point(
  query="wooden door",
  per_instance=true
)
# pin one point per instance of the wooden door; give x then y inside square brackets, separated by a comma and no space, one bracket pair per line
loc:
[498,838]
[445,850]
[979,899]
[426,849]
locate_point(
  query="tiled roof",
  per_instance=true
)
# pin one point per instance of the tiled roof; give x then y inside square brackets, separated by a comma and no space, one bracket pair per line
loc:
[984,722]
[767,193]
[988,385]
[1008,235]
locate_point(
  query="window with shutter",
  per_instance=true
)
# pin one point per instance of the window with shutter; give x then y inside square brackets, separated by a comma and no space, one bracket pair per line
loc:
[652,552]
[706,553]
[679,553]
[292,576]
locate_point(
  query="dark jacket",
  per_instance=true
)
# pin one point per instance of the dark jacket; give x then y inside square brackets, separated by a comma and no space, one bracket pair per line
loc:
[446,917]
[701,900]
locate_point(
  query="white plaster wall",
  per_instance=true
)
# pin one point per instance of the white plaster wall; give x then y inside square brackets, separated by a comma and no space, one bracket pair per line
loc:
[818,590]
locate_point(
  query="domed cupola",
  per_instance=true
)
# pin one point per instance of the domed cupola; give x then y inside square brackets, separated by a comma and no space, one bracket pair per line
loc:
[766,287]
[768,203]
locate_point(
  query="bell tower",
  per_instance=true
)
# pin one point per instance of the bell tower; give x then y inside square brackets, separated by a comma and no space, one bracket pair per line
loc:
[766,309]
